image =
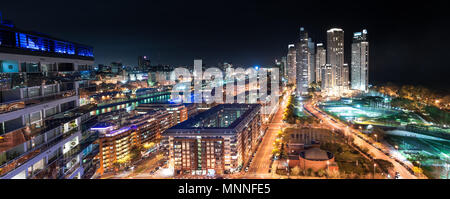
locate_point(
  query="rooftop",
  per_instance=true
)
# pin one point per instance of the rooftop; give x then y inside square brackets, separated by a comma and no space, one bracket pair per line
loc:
[316,154]
[222,118]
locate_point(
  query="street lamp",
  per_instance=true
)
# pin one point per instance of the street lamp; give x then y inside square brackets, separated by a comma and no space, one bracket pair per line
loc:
[288,168]
[396,147]
[374,166]
[376,138]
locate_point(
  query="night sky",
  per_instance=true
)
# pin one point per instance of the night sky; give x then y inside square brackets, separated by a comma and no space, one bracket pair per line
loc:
[409,42]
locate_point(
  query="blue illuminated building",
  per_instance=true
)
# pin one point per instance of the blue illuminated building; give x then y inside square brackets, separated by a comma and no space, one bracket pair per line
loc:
[13,39]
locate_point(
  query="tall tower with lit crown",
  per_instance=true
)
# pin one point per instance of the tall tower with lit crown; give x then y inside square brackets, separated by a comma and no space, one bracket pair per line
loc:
[360,61]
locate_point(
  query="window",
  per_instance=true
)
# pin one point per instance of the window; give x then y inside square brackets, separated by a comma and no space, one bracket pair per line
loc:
[51,111]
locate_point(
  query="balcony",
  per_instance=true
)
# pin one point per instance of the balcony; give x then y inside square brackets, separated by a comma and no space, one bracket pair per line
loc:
[56,165]
[16,161]
[33,101]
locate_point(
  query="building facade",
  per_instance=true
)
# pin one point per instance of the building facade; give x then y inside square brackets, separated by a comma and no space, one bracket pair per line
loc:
[360,61]
[303,61]
[292,64]
[345,76]
[311,62]
[178,110]
[219,140]
[115,147]
[44,133]
[327,76]
[321,60]
[335,55]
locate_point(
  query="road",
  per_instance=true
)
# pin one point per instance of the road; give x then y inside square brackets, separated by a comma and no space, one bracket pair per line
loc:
[142,170]
[261,162]
[404,173]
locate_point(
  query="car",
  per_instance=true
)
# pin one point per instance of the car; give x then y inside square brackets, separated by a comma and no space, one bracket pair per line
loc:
[152,172]
[397,175]
[156,169]
[246,169]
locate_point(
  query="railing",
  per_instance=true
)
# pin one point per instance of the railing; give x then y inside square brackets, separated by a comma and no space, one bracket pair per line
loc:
[89,166]
[80,147]
[66,173]
[19,104]
[22,159]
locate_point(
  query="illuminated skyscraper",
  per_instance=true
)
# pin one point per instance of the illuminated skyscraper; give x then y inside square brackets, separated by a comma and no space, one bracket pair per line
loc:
[345,76]
[326,76]
[284,64]
[302,58]
[321,60]
[291,64]
[360,61]
[311,61]
[335,55]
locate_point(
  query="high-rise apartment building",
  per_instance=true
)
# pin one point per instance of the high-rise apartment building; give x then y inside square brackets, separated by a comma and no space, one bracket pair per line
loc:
[335,55]
[44,132]
[326,76]
[284,64]
[321,60]
[345,76]
[303,61]
[311,62]
[291,64]
[360,61]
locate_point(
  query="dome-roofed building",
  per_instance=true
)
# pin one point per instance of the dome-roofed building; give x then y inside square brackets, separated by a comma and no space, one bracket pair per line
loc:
[316,154]
[316,159]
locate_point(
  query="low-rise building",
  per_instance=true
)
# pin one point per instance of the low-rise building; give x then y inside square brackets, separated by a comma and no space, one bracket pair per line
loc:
[219,140]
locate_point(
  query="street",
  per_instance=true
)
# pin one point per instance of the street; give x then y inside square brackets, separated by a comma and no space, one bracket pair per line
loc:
[261,162]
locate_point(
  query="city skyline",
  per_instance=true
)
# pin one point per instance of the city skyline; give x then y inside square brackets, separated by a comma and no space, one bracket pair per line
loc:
[173,41]
[332,103]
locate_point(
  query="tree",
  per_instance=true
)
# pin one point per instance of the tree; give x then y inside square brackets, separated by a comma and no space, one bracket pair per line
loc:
[115,166]
[333,173]
[295,171]
[417,170]
[309,172]
[321,172]
[135,153]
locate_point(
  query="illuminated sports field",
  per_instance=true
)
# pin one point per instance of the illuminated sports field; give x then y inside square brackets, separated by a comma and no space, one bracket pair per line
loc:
[359,112]
[432,153]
